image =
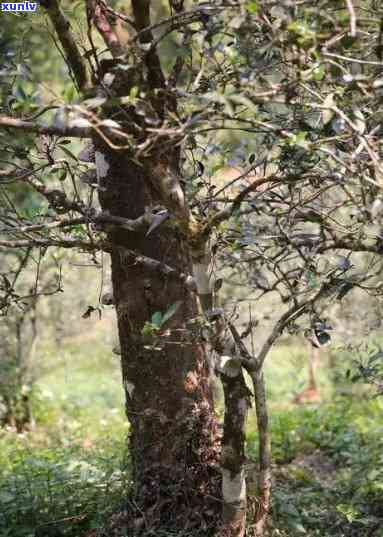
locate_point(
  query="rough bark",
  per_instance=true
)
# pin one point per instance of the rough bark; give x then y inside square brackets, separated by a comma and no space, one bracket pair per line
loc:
[237,402]
[169,403]
[233,454]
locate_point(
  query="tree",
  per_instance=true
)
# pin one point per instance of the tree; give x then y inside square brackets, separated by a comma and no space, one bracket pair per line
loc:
[18,341]
[288,91]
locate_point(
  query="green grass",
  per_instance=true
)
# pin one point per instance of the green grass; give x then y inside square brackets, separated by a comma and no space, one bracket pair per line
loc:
[328,469]
[82,392]
[70,473]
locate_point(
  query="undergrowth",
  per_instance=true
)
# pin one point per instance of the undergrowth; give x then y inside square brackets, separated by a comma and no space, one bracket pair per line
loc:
[328,469]
[69,475]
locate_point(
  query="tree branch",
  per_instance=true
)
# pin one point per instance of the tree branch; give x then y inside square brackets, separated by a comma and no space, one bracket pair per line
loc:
[157,267]
[291,314]
[226,213]
[139,224]
[141,13]
[70,130]
[76,127]
[351,11]
[72,53]
[88,246]
[264,450]
[183,18]
[128,256]
[57,198]
[97,13]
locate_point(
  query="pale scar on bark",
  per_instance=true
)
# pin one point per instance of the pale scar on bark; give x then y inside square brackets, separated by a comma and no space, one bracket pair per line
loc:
[101,165]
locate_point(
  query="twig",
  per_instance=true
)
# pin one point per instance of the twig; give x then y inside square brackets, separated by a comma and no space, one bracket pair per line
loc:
[351,11]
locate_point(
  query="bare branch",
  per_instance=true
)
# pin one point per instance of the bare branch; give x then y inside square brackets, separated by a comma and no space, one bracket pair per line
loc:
[183,18]
[52,130]
[117,14]
[352,60]
[227,212]
[157,267]
[10,176]
[290,315]
[45,226]
[97,13]
[351,11]
[72,53]
[141,13]
[129,256]
[88,246]
[78,127]
[139,224]
[57,198]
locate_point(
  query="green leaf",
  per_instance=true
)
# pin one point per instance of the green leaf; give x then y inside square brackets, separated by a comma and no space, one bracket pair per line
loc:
[133,92]
[171,311]
[19,93]
[348,511]
[299,140]
[69,93]
[63,175]
[148,329]
[156,319]
[319,73]
[297,527]
[69,153]
[183,52]
[252,7]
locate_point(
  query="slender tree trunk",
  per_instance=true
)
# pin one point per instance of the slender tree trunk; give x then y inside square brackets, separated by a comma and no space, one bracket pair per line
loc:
[173,436]
[233,454]
[314,356]
[264,477]
[311,394]
[237,402]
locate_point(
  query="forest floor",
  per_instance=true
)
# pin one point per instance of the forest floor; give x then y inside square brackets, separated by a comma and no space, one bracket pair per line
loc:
[66,476]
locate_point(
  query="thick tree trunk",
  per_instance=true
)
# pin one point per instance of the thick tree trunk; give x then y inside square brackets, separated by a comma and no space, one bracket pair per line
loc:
[173,439]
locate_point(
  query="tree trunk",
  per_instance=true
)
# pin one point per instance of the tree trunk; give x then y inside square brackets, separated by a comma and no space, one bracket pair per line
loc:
[224,340]
[314,357]
[173,436]
[264,443]
[237,402]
